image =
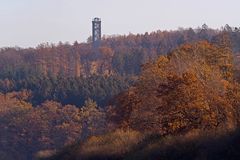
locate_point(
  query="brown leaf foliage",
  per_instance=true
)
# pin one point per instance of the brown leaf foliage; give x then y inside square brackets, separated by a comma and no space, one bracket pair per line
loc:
[186,90]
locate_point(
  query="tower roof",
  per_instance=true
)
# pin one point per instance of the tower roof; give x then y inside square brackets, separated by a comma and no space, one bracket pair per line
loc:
[96,19]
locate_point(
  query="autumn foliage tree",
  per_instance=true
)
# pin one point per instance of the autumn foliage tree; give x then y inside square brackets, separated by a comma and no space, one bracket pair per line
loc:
[183,91]
[27,130]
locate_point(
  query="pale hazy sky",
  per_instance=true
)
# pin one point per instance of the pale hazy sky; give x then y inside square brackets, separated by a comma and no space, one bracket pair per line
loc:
[27,23]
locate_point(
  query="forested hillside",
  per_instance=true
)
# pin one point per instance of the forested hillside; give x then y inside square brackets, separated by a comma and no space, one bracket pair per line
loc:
[185,105]
[127,96]
[65,72]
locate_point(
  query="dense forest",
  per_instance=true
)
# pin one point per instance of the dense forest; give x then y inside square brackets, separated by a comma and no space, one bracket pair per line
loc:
[70,74]
[185,105]
[132,98]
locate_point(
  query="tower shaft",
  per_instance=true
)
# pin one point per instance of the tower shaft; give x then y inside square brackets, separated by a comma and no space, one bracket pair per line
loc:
[96,32]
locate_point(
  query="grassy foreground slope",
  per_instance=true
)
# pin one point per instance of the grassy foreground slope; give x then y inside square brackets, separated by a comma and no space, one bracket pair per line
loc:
[132,145]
